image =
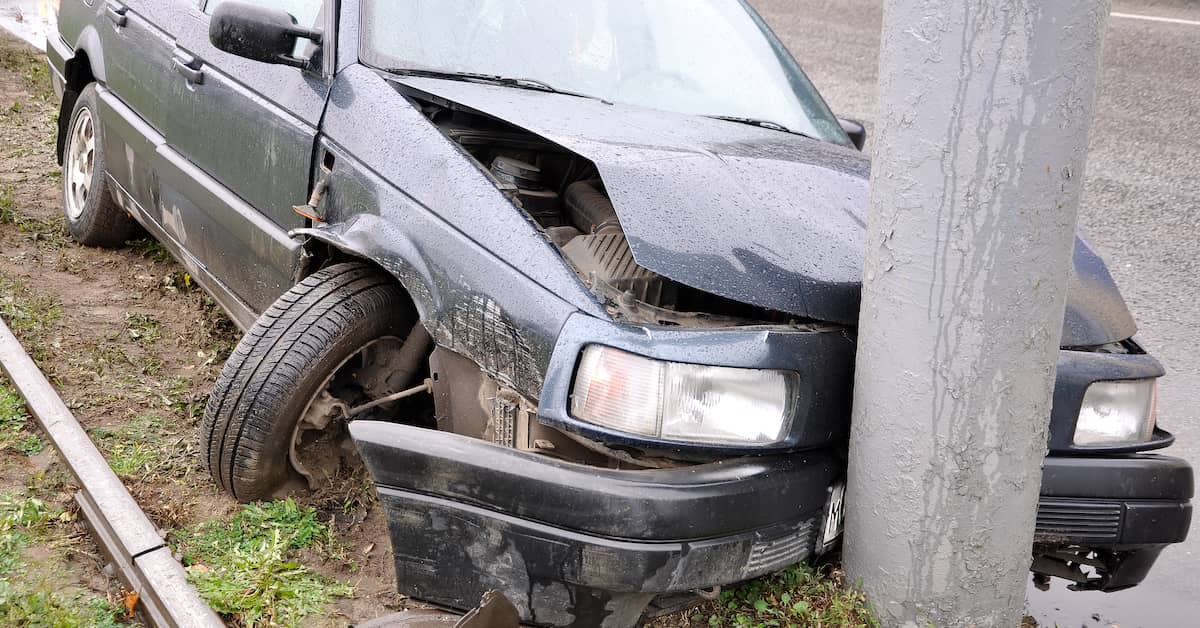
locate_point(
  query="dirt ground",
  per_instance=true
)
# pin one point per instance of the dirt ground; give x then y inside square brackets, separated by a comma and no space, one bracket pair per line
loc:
[133,348]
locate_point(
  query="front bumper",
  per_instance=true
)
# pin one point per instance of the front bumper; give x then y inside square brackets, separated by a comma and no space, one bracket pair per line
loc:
[571,544]
[576,545]
[1103,521]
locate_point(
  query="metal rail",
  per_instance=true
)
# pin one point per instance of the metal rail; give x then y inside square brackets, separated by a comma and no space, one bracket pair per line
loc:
[128,539]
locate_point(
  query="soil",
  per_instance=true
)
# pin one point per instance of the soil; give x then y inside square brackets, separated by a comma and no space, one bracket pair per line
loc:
[135,337]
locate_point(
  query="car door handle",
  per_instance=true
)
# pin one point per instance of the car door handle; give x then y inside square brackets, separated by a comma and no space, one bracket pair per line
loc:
[185,68]
[116,14]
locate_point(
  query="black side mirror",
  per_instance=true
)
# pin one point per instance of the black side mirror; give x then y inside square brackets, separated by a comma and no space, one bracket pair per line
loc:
[259,33]
[856,131]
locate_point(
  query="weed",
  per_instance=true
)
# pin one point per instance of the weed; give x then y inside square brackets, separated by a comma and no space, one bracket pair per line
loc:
[31,315]
[31,445]
[29,64]
[181,397]
[45,608]
[52,231]
[14,421]
[21,520]
[26,601]
[245,567]
[8,206]
[142,328]
[143,448]
[800,595]
[152,250]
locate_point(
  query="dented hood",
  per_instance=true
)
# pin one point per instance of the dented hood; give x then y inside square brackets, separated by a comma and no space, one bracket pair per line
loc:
[750,214]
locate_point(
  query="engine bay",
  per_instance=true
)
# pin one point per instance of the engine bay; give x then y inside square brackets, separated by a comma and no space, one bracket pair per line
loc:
[565,196]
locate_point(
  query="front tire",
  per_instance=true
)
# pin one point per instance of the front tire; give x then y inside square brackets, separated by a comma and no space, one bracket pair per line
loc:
[93,217]
[284,364]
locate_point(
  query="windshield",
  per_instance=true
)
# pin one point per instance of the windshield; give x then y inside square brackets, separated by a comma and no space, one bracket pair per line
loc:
[703,57]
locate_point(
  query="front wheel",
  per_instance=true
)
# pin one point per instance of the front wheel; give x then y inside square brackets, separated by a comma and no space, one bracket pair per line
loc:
[325,345]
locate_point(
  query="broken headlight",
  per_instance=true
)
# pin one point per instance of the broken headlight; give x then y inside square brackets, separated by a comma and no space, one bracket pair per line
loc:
[683,402]
[1117,413]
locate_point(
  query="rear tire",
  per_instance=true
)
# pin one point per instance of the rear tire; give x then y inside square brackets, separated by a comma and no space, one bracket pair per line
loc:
[283,363]
[93,216]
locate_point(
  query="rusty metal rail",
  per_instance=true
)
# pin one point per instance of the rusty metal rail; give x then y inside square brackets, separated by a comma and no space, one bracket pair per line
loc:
[139,555]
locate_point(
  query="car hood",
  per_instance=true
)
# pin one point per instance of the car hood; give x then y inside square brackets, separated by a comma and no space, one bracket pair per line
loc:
[750,214]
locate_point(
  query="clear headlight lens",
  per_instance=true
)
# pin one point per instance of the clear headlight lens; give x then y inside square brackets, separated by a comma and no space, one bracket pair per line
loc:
[1117,413]
[684,402]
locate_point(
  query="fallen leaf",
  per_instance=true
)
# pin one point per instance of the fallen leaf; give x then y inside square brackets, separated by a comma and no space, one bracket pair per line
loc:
[130,600]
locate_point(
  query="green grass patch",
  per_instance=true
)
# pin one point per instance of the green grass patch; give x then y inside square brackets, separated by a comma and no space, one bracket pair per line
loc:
[32,65]
[144,447]
[800,595]
[24,599]
[151,249]
[8,206]
[52,231]
[30,314]
[14,422]
[44,608]
[248,568]
[142,328]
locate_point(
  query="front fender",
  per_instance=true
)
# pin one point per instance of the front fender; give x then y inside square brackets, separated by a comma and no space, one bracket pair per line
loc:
[365,238]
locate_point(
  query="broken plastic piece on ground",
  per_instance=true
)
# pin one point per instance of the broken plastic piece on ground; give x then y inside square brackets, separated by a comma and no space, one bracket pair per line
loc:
[494,611]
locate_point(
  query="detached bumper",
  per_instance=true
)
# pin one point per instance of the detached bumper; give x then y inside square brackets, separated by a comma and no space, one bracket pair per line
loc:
[1113,515]
[571,544]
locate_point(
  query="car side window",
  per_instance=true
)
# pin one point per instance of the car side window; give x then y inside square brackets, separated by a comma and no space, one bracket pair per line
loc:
[306,12]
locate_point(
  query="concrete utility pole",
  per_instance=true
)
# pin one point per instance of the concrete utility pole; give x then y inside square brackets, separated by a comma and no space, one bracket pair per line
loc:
[985,108]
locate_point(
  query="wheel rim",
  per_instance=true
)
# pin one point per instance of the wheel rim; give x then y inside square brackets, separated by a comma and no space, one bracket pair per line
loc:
[81,164]
[326,409]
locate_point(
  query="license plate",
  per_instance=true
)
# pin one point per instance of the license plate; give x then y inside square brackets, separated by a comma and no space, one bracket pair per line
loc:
[835,516]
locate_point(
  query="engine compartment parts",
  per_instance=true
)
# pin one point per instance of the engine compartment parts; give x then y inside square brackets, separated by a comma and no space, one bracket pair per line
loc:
[590,210]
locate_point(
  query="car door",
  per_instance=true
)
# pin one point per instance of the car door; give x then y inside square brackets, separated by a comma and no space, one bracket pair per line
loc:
[137,39]
[241,138]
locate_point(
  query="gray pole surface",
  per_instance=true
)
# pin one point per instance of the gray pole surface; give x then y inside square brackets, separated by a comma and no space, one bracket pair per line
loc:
[983,126]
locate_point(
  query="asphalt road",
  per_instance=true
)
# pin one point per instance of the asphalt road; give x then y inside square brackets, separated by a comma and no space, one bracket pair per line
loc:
[1141,208]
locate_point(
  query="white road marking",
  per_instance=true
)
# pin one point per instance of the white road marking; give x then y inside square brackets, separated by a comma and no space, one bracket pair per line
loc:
[1154,18]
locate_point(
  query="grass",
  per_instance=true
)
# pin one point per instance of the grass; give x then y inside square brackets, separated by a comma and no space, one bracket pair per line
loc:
[801,595]
[152,250]
[8,206]
[247,567]
[14,430]
[30,314]
[142,328]
[26,599]
[145,447]
[30,65]
[52,231]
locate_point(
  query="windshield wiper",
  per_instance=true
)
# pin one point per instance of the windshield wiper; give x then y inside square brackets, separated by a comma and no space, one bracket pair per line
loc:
[495,79]
[765,124]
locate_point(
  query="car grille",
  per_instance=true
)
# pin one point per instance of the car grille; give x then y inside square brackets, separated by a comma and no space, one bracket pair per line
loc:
[1078,520]
[779,552]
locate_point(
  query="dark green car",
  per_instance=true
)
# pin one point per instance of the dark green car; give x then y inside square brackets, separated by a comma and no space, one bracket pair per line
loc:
[578,281]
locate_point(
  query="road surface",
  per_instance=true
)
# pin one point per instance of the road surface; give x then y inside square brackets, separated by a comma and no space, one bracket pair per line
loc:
[1141,208]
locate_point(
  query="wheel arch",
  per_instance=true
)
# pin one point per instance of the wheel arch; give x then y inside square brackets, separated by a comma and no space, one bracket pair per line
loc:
[323,247]
[86,66]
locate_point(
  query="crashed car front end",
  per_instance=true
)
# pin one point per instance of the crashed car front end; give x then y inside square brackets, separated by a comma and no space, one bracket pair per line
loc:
[581,544]
[645,341]
[693,435]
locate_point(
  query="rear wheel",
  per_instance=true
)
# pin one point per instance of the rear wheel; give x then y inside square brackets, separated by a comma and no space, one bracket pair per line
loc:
[276,417]
[93,216]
